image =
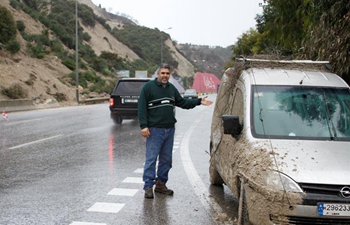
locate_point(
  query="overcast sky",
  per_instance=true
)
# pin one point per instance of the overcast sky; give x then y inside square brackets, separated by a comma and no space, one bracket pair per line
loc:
[200,22]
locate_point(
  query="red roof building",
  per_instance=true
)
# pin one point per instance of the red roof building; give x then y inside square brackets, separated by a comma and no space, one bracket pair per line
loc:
[205,82]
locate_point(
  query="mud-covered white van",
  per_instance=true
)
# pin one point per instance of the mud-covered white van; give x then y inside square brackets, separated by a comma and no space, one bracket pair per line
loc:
[280,140]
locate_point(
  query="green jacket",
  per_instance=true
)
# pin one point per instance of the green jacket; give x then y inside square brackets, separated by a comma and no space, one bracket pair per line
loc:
[157,103]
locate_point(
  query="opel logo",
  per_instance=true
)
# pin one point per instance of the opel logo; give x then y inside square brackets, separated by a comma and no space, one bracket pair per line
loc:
[345,192]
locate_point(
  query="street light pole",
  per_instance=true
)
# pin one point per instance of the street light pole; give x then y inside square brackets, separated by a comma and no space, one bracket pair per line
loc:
[161,45]
[76,52]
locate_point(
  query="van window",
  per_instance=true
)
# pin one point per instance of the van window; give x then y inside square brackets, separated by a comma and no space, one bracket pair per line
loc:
[298,112]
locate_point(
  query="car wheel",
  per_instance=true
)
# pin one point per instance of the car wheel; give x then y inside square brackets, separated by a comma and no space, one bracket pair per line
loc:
[243,218]
[118,120]
[215,177]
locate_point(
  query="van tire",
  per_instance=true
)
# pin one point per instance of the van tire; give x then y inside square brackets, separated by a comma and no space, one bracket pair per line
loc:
[215,177]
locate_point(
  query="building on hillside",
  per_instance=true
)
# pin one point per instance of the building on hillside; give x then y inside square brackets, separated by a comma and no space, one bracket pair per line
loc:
[205,83]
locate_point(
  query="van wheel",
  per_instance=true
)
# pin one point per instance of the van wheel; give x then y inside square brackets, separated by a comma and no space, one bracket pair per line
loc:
[215,177]
[118,120]
[243,218]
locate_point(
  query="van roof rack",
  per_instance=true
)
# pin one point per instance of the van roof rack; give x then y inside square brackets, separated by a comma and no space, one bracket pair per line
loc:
[283,61]
[292,64]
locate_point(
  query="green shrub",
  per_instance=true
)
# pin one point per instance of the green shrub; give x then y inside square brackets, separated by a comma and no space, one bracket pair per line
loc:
[36,51]
[87,15]
[85,92]
[82,80]
[99,87]
[7,25]
[20,25]
[15,4]
[101,20]
[99,64]
[70,64]
[86,36]
[56,46]
[90,76]
[104,87]
[60,97]
[13,46]
[31,3]
[15,91]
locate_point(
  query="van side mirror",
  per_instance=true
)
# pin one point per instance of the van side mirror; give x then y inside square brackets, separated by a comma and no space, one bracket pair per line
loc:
[231,125]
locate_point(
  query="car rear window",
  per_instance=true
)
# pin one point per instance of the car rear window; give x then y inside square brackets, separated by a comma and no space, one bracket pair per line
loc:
[129,87]
[190,91]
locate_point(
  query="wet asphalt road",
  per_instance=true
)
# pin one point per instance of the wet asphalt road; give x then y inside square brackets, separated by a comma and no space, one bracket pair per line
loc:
[74,166]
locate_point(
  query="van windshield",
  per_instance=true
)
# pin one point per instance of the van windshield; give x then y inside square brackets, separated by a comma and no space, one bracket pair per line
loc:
[299,112]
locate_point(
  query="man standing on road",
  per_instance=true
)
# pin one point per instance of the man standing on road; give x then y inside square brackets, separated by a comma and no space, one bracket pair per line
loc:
[157,101]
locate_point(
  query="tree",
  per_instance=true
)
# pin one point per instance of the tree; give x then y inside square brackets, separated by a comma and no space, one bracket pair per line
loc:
[329,39]
[7,26]
[245,43]
[282,24]
[303,29]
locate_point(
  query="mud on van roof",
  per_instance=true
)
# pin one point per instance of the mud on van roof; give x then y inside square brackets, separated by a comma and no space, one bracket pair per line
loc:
[285,72]
[304,65]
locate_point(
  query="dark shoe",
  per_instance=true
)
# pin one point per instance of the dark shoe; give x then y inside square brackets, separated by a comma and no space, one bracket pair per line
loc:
[149,193]
[161,188]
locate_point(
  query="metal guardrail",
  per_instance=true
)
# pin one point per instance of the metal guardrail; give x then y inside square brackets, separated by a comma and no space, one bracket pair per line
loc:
[13,105]
[93,100]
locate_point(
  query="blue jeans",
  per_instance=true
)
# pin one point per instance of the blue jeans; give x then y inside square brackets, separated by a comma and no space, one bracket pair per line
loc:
[158,145]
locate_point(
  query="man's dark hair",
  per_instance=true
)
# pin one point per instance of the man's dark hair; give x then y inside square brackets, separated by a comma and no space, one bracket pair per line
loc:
[165,66]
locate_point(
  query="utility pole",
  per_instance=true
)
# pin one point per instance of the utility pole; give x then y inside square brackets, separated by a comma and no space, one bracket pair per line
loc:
[76,52]
[161,45]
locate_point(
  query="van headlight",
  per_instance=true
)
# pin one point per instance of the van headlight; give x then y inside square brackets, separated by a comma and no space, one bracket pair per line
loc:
[279,181]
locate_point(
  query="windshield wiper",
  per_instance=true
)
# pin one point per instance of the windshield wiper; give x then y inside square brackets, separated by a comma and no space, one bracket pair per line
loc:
[329,120]
[260,116]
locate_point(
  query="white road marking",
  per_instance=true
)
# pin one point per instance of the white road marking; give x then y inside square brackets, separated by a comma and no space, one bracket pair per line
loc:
[193,176]
[123,192]
[106,207]
[22,121]
[139,170]
[136,180]
[86,223]
[34,142]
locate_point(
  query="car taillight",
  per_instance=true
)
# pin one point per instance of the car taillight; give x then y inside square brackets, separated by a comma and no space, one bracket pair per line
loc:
[111,101]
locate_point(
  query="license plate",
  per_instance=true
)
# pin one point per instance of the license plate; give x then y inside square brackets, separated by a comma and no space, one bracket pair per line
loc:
[333,209]
[130,100]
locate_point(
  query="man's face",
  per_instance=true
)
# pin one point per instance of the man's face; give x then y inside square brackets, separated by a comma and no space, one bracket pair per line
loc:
[163,75]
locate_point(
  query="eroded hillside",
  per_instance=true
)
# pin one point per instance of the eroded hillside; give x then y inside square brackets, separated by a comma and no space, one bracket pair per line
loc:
[46,79]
